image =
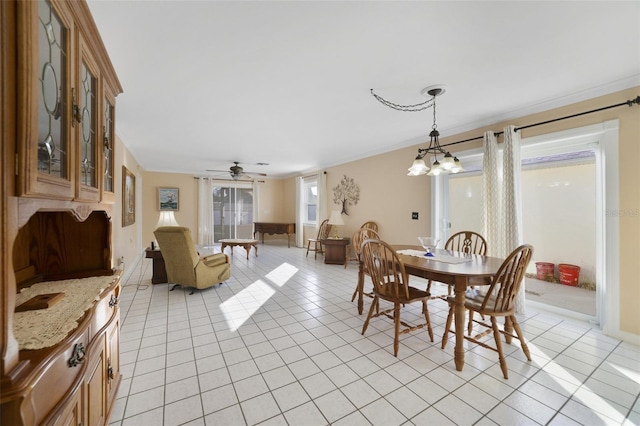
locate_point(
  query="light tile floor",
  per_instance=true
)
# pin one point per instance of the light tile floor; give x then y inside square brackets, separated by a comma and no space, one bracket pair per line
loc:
[280,343]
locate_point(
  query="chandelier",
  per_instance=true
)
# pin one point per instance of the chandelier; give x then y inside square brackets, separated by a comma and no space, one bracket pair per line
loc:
[449,164]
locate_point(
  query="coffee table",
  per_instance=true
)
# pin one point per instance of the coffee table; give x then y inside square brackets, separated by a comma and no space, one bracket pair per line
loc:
[246,243]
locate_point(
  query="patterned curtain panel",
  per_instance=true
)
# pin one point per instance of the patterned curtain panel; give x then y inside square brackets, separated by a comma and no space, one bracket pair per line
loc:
[491,201]
[205,212]
[511,200]
[501,198]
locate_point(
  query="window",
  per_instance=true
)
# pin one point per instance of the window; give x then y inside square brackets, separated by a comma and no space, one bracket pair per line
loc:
[310,200]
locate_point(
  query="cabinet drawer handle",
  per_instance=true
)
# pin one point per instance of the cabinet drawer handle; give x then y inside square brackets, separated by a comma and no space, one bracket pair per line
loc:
[77,357]
[113,301]
[109,369]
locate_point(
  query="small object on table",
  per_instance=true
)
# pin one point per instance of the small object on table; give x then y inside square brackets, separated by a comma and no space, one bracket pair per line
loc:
[41,301]
[246,243]
[429,244]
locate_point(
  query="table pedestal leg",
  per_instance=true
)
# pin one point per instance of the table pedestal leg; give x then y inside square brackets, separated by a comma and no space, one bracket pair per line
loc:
[460,288]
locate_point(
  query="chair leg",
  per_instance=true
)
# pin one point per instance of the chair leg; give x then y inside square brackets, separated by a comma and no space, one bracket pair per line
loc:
[359,292]
[366,322]
[523,344]
[445,336]
[396,320]
[470,325]
[425,311]
[308,247]
[498,340]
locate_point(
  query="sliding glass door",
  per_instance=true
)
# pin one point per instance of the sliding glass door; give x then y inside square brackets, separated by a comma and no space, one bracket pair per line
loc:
[232,211]
[563,202]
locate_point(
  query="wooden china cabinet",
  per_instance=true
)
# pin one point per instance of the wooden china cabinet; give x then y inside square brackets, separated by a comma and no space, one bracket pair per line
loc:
[57,189]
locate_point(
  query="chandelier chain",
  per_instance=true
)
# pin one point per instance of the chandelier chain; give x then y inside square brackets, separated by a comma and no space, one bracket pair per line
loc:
[410,108]
[435,126]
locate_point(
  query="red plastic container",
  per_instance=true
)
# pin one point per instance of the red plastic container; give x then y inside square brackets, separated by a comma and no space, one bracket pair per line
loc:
[545,270]
[569,274]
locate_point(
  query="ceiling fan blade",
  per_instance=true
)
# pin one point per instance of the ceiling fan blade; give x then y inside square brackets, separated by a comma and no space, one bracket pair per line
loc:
[255,174]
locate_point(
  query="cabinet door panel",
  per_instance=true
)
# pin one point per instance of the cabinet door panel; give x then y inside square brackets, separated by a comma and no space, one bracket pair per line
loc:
[45,150]
[113,361]
[87,119]
[96,392]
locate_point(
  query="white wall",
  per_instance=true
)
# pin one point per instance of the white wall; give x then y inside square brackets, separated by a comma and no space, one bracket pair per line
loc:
[559,216]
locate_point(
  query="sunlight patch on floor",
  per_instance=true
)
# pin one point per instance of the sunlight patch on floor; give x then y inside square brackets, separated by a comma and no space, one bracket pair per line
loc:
[239,308]
[282,274]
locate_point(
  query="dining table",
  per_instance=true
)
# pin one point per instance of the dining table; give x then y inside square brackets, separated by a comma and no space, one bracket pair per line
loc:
[457,269]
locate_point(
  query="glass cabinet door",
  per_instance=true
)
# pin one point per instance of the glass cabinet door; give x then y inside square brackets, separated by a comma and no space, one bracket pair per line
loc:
[108,180]
[45,152]
[85,119]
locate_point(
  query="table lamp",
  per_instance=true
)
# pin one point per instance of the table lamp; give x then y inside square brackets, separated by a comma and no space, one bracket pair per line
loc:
[335,220]
[167,218]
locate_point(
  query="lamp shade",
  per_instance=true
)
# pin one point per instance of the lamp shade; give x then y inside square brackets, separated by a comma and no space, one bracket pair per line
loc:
[167,218]
[336,218]
[418,167]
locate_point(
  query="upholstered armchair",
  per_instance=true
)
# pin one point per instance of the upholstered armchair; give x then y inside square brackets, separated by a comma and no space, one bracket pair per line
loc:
[184,266]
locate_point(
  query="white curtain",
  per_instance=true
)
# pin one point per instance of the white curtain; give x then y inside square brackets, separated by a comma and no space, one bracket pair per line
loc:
[299,212]
[256,201]
[322,199]
[511,201]
[501,195]
[491,195]
[205,212]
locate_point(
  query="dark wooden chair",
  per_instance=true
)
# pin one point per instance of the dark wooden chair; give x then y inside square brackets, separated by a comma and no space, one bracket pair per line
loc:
[323,234]
[357,239]
[498,301]
[391,284]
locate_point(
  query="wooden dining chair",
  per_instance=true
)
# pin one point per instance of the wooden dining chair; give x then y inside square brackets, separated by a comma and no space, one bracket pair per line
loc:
[464,242]
[323,234]
[370,225]
[498,301]
[357,239]
[351,251]
[391,284]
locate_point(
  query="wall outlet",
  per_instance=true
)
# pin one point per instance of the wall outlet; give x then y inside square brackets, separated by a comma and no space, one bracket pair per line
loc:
[414,215]
[120,260]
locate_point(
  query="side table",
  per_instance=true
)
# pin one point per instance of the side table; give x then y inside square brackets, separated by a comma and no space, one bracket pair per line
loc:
[335,250]
[159,270]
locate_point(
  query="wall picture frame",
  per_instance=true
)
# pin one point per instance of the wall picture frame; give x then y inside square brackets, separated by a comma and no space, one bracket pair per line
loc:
[168,199]
[128,197]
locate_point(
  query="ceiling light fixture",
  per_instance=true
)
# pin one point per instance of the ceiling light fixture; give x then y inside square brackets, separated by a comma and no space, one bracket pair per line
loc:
[450,163]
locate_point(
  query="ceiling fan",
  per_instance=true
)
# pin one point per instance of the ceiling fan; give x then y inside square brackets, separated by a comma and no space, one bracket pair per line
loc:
[237,173]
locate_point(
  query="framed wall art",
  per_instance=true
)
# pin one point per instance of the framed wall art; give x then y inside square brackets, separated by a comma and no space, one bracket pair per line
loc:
[168,199]
[128,197]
